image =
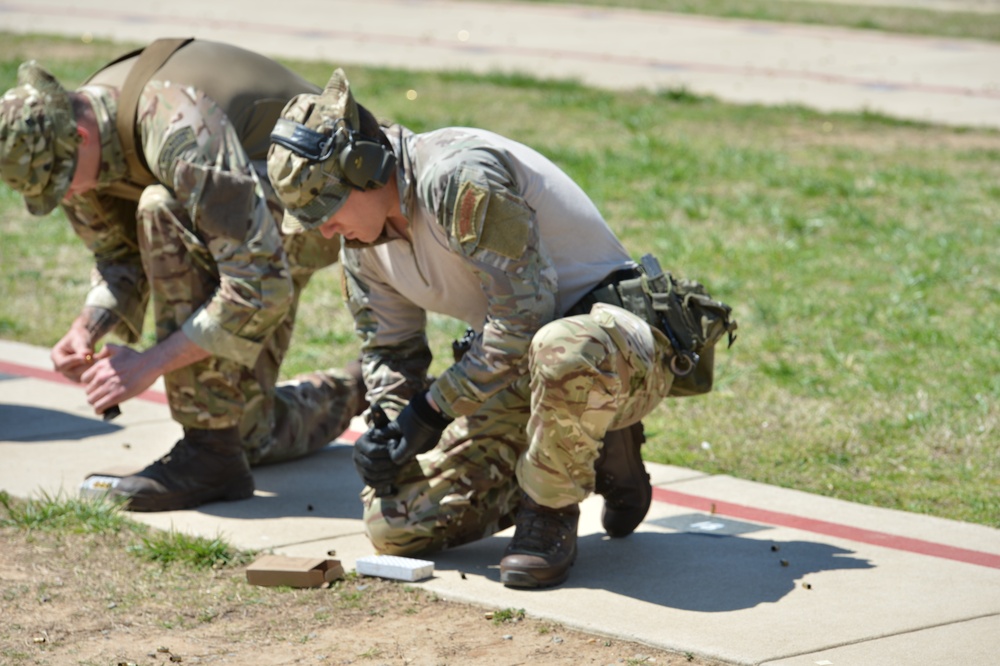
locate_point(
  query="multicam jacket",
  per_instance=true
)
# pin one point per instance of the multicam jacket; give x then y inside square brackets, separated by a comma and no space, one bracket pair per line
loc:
[200,123]
[502,239]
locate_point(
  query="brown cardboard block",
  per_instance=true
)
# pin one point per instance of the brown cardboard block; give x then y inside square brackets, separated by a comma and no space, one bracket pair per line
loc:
[274,570]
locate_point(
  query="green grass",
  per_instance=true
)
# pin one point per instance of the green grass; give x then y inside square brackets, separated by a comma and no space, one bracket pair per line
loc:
[72,515]
[859,253]
[168,547]
[863,16]
[67,514]
[505,615]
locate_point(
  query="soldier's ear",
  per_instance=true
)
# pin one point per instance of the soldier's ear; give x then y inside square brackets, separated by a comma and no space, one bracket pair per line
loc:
[85,135]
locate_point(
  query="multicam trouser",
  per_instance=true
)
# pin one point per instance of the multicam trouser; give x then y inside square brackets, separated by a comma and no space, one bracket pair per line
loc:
[277,421]
[587,374]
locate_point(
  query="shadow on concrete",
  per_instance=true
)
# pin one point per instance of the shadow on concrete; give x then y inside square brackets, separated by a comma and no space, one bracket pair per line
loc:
[682,569]
[693,572]
[22,423]
[322,485]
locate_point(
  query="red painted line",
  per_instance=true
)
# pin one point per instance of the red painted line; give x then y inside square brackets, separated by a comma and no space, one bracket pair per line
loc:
[53,376]
[151,395]
[858,534]
[696,502]
[349,436]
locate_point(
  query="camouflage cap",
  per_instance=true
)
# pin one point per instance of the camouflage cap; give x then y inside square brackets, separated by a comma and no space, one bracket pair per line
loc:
[38,138]
[313,187]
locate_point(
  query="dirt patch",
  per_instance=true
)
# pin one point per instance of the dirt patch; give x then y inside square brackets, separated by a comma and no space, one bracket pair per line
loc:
[84,599]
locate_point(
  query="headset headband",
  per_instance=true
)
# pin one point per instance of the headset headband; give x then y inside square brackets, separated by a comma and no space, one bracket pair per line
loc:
[365,164]
[301,140]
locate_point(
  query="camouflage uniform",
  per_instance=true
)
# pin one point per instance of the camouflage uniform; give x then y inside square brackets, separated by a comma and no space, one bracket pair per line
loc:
[204,242]
[506,242]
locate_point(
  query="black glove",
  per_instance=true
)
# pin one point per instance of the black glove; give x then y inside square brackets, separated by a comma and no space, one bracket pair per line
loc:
[371,454]
[420,426]
[381,452]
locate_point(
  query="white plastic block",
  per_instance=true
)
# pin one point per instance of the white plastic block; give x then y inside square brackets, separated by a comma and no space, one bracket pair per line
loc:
[395,567]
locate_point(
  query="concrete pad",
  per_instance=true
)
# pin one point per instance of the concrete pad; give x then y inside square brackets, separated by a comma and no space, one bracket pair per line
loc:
[46,409]
[307,500]
[23,354]
[729,596]
[50,438]
[36,415]
[662,475]
[721,567]
[302,507]
[813,510]
[347,548]
[971,642]
[58,466]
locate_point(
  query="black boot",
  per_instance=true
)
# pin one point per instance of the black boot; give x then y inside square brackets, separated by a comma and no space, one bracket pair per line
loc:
[543,547]
[205,466]
[623,481]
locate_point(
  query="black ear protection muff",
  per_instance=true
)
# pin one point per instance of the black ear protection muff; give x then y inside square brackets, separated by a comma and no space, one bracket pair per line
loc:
[366,164]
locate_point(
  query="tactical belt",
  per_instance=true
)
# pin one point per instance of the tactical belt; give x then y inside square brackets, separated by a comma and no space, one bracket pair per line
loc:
[606,291]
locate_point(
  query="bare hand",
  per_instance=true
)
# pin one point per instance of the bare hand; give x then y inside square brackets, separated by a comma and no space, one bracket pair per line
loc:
[117,374]
[73,354]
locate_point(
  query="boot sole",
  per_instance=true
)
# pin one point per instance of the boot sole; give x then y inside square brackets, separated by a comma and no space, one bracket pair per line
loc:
[519,578]
[524,580]
[191,500]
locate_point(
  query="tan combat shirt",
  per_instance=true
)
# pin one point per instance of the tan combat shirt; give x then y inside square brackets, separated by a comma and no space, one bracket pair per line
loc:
[502,239]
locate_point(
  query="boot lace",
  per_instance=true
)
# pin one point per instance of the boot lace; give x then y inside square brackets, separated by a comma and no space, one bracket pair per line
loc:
[540,532]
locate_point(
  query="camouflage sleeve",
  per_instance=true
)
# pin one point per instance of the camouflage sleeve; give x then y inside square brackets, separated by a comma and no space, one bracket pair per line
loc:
[489,223]
[393,372]
[118,282]
[191,148]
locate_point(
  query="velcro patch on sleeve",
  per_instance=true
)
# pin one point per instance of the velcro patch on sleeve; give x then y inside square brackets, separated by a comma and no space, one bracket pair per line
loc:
[224,201]
[507,227]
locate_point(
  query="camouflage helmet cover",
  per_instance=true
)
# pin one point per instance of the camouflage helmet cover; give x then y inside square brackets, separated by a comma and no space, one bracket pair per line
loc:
[313,190]
[38,138]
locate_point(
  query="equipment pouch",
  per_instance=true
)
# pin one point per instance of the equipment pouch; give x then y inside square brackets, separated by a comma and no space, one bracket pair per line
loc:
[693,322]
[635,299]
